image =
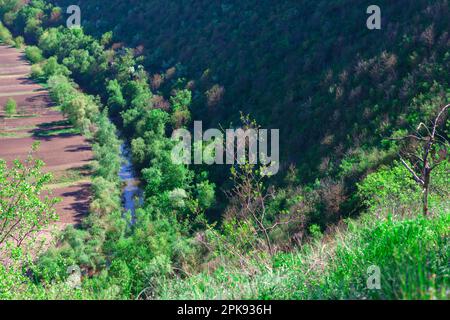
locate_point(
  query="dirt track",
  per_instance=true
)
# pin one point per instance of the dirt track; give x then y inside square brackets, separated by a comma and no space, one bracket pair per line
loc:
[38,120]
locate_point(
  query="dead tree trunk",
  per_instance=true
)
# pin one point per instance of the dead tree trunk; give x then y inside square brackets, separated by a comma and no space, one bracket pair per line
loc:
[426,189]
[426,158]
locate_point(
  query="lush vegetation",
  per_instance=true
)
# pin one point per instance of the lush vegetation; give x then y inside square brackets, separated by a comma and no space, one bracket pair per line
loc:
[290,240]
[34,54]
[10,107]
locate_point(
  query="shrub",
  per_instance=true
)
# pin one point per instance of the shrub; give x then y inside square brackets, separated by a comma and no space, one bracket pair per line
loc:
[5,35]
[388,189]
[24,211]
[19,42]
[412,256]
[116,102]
[10,107]
[52,67]
[34,54]
[36,71]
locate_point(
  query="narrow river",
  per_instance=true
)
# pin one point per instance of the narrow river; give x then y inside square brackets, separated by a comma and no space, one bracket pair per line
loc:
[132,194]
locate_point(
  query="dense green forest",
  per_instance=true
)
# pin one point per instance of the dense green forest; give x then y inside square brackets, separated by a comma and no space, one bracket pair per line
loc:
[352,192]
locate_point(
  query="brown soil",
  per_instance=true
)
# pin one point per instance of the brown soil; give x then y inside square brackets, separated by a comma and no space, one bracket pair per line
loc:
[35,114]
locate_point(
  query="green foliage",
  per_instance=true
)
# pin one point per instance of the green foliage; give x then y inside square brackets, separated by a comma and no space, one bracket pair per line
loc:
[167,245]
[19,42]
[10,107]
[36,72]
[51,67]
[205,194]
[81,109]
[306,62]
[106,38]
[116,102]
[24,212]
[412,255]
[34,54]
[389,187]
[49,40]
[180,105]
[5,35]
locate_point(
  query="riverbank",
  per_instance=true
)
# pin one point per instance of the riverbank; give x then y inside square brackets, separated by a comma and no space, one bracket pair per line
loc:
[132,194]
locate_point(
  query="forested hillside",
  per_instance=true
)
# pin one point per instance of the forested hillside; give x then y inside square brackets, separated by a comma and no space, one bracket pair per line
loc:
[292,65]
[363,138]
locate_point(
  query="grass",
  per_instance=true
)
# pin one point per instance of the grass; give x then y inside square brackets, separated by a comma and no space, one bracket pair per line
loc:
[51,129]
[12,134]
[72,175]
[67,184]
[412,254]
[15,75]
[21,93]
[56,128]
[52,124]
[56,132]
[20,116]
[20,128]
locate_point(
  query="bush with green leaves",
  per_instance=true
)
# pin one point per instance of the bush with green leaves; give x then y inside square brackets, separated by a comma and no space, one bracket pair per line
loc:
[81,109]
[389,188]
[19,42]
[392,189]
[37,73]
[412,256]
[51,67]
[5,35]
[116,101]
[168,250]
[25,211]
[34,54]
[10,107]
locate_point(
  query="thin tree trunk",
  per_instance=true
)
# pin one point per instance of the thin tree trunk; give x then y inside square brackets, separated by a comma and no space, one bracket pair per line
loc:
[269,245]
[425,202]
[426,188]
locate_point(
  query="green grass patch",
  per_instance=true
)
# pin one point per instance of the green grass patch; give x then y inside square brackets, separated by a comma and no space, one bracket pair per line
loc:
[20,116]
[412,255]
[72,175]
[55,124]
[19,128]
[16,135]
[56,128]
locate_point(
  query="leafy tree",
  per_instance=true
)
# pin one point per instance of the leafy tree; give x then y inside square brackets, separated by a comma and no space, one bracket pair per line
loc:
[19,42]
[139,94]
[106,38]
[61,89]
[10,107]
[180,105]
[34,54]
[8,6]
[79,62]
[124,66]
[5,35]
[387,188]
[26,207]
[52,67]
[116,102]
[49,41]
[33,29]
[182,99]
[205,194]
